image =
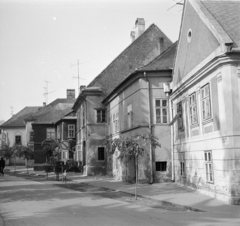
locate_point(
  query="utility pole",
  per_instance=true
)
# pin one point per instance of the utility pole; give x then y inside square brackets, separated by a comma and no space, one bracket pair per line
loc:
[78,78]
[46,92]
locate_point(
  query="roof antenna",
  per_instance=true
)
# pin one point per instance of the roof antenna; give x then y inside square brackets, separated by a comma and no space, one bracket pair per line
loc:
[46,92]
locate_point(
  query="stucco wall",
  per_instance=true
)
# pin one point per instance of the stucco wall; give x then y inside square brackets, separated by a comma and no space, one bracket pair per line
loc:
[190,54]
[221,138]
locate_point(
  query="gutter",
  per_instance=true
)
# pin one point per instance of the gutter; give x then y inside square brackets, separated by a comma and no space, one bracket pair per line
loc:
[235,50]
[150,128]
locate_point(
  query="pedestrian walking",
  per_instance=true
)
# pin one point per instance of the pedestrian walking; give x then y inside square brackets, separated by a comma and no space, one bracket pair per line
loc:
[2,166]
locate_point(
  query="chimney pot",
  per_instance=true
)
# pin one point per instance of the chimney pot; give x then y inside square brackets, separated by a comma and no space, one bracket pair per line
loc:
[82,88]
[132,35]
[139,27]
[70,93]
[44,104]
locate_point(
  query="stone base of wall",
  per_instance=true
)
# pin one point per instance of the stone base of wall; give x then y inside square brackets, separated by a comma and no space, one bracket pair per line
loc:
[228,198]
[95,170]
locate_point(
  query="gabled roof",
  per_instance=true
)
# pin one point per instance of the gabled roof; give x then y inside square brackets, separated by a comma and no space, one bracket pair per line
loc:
[53,111]
[55,114]
[162,62]
[18,119]
[222,18]
[139,53]
[227,14]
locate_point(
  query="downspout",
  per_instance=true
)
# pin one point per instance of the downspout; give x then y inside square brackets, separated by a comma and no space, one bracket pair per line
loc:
[172,139]
[150,128]
[86,136]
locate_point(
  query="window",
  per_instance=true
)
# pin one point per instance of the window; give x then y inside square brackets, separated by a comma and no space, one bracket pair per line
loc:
[206,106]
[116,122]
[182,164]
[31,136]
[50,133]
[101,154]
[161,109]
[83,115]
[180,117]
[161,166]
[18,139]
[193,109]
[101,117]
[71,131]
[208,166]
[129,116]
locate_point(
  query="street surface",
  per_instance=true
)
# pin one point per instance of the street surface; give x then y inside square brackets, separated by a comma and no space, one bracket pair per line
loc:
[38,202]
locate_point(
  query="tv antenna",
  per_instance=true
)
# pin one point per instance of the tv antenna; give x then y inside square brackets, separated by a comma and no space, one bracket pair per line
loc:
[46,92]
[177,3]
[78,78]
[12,110]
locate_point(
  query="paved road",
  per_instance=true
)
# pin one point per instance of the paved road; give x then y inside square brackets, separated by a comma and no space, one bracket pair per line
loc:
[45,203]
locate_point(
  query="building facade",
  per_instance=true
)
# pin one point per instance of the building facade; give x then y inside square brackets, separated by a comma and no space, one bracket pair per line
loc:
[205,99]
[91,112]
[139,106]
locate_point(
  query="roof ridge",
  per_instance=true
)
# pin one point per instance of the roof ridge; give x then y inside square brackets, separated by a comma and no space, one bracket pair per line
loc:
[214,26]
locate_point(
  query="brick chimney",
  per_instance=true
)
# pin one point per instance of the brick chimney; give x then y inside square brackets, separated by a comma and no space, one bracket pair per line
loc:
[138,30]
[70,93]
[139,27]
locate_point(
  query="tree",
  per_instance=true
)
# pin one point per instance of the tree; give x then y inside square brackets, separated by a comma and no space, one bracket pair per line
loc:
[26,153]
[16,149]
[6,151]
[132,147]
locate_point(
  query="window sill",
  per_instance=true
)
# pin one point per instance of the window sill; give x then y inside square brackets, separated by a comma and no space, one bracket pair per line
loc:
[194,125]
[207,121]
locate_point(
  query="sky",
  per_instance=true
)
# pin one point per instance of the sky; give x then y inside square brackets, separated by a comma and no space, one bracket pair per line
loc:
[41,42]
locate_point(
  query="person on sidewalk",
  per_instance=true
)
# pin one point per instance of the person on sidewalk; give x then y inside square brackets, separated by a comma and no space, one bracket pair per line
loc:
[2,166]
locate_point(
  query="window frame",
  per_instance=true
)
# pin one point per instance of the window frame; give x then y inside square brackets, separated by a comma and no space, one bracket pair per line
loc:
[102,114]
[129,116]
[206,98]
[47,132]
[180,122]
[161,108]
[99,155]
[182,164]
[161,166]
[193,105]
[73,129]
[20,140]
[208,166]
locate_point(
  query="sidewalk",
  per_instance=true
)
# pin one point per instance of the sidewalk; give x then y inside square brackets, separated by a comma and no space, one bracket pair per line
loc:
[169,192]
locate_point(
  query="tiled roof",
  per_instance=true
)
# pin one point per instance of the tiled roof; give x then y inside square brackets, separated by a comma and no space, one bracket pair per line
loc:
[227,14]
[55,114]
[53,111]
[139,53]
[164,61]
[18,119]
[44,110]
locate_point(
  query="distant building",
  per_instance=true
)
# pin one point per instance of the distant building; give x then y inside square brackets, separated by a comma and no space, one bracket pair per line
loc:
[15,131]
[54,121]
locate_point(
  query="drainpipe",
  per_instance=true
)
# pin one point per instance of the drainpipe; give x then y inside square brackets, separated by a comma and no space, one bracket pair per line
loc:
[150,128]
[172,139]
